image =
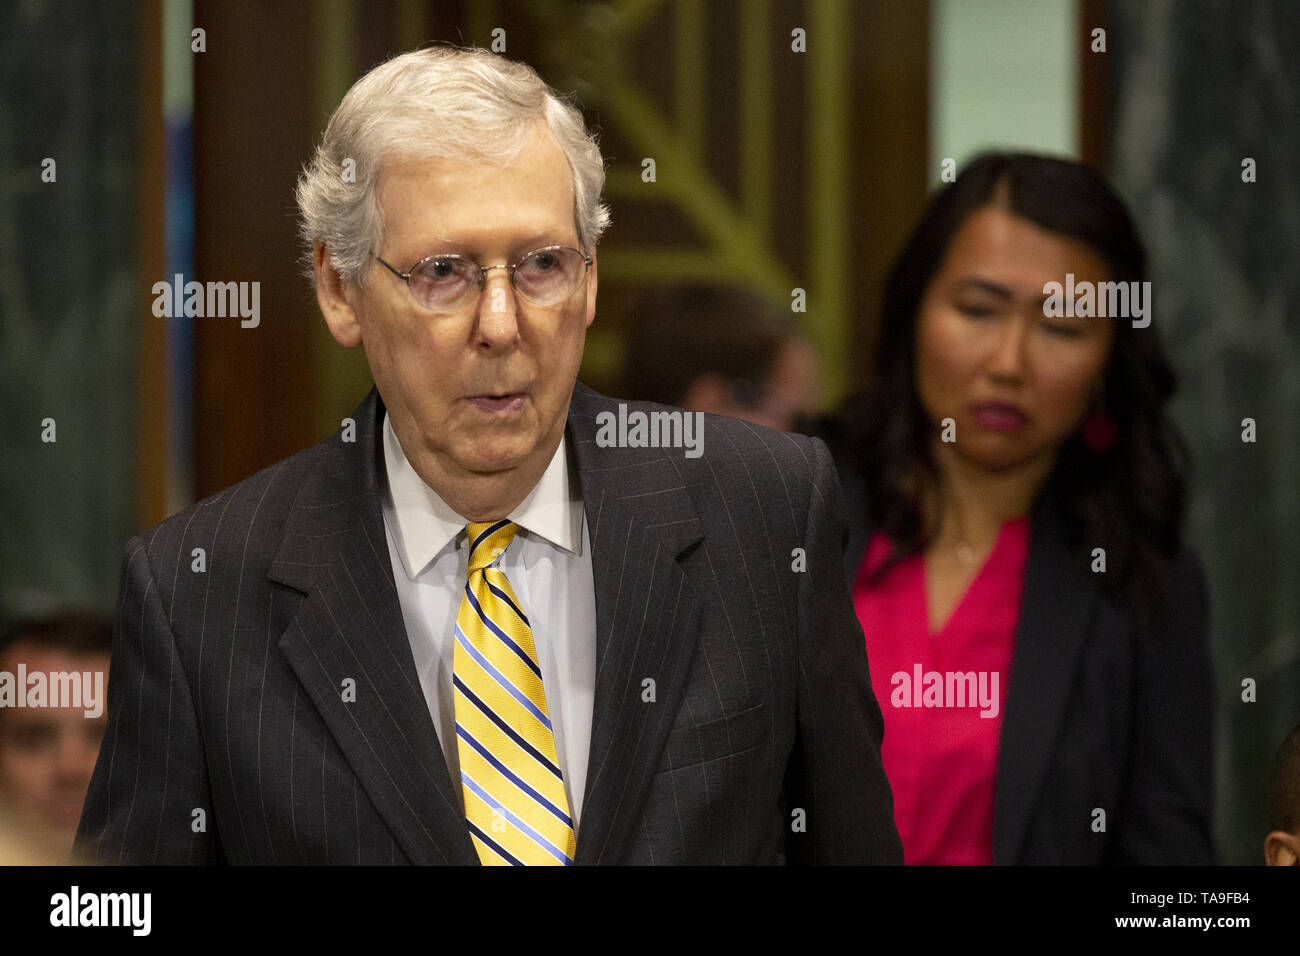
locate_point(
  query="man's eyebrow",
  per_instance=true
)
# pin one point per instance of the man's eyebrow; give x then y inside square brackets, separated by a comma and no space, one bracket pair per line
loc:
[441,245]
[541,240]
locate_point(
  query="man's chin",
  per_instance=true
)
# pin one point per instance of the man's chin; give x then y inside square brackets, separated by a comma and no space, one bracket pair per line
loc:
[484,448]
[493,455]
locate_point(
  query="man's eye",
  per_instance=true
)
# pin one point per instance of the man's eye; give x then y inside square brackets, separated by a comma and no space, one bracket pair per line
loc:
[541,262]
[976,311]
[1066,331]
[440,269]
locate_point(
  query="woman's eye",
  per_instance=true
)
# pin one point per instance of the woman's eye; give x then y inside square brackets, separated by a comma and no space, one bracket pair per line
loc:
[976,311]
[1065,331]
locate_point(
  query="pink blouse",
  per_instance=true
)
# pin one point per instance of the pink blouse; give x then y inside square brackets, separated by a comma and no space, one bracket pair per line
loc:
[942,695]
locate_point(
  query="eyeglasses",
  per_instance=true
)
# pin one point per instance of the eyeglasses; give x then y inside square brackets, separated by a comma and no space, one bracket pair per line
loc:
[451,282]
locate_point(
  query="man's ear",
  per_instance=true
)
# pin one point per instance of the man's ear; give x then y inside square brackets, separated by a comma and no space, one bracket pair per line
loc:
[331,296]
[591,289]
[1282,849]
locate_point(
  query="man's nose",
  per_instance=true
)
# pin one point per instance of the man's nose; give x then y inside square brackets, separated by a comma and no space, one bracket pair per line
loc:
[497,326]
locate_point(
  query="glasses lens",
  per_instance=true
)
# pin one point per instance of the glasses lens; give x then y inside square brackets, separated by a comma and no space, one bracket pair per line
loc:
[548,276]
[444,283]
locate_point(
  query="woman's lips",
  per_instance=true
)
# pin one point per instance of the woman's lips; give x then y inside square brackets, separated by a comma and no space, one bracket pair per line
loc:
[999,417]
[499,404]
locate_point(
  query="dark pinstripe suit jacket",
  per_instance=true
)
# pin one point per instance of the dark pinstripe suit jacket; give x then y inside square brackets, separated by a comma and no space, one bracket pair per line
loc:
[229,738]
[1101,712]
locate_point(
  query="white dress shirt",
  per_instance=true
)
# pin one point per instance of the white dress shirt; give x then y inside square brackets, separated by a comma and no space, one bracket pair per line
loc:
[548,564]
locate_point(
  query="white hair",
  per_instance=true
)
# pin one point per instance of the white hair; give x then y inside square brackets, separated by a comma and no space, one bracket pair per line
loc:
[444,102]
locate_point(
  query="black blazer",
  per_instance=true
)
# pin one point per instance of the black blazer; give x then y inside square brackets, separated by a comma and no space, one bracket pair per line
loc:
[1099,713]
[719,577]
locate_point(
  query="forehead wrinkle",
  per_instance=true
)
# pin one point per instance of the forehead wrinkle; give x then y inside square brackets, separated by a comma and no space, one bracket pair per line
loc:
[533,209]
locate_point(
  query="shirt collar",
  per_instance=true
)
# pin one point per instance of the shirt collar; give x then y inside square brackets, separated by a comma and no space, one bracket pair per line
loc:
[423,524]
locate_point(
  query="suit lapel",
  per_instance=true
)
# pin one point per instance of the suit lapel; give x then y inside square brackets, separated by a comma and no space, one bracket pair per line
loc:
[641,519]
[1056,612]
[350,627]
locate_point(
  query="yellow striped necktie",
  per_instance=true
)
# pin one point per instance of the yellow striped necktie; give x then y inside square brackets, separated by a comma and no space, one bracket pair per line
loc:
[515,804]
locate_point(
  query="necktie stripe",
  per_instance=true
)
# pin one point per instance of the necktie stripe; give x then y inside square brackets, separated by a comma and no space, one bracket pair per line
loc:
[506,729]
[484,535]
[509,839]
[510,602]
[486,803]
[537,775]
[505,638]
[524,828]
[512,776]
[500,655]
[516,807]
[502,680]
[484,807]
[505,704]
[493,845]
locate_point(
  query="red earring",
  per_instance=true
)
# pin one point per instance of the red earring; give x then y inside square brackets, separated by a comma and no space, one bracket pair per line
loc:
[1098,431]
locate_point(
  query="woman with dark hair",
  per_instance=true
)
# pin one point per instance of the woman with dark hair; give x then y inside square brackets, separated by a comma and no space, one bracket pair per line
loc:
[1036,628]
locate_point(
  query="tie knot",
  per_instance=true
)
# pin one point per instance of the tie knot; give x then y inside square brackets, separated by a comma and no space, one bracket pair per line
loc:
[487,539]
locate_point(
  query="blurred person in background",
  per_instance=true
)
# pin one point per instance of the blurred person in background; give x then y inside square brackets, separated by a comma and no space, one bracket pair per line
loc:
[1016,495]
[1282,845]
[722,350]
[47,751]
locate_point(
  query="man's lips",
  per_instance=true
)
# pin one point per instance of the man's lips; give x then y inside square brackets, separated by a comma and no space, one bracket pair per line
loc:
[503,403]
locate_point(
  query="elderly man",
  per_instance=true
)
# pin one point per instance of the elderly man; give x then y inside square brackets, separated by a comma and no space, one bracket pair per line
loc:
[482,624]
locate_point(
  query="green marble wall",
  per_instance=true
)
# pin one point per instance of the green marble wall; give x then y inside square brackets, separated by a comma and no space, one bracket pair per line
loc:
[67,341]
[1198,87]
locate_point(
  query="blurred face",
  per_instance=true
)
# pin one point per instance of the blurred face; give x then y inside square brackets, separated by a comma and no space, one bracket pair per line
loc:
[1017,384]
[788,393]
[792,385]
[482,393]
[47,754]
